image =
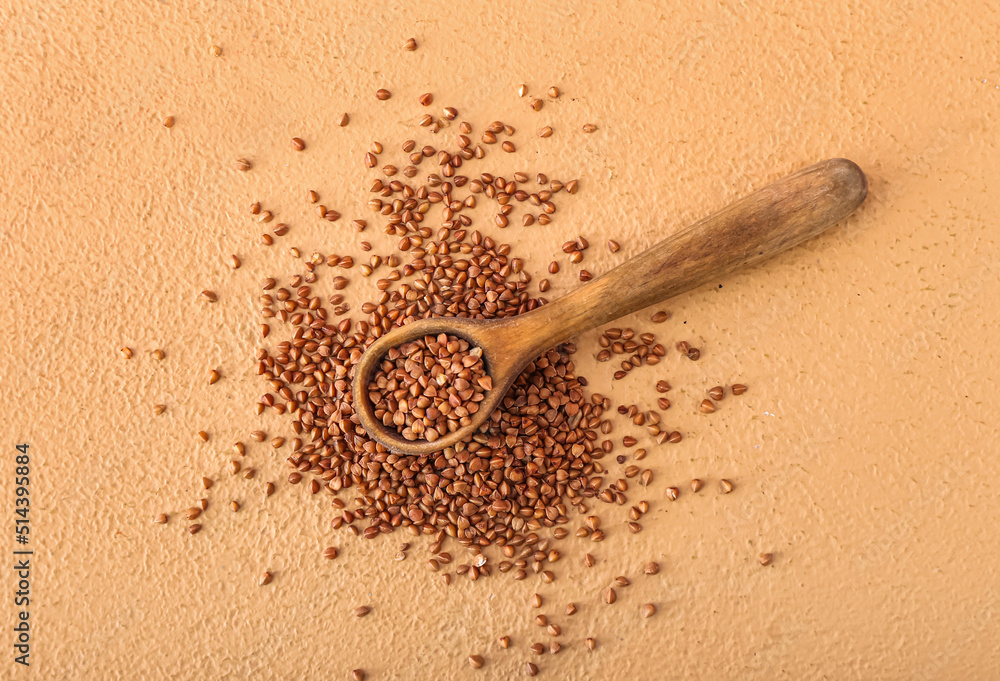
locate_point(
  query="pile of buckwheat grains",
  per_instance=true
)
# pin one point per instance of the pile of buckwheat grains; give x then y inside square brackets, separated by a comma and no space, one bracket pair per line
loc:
[544,467]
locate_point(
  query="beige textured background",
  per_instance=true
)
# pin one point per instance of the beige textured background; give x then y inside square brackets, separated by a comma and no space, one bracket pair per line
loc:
[865,453]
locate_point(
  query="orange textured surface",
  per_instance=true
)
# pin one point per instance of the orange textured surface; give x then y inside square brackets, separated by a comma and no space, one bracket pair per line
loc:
[864,454]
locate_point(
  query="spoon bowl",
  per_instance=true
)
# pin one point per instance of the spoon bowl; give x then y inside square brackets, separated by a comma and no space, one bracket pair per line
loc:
[763,224]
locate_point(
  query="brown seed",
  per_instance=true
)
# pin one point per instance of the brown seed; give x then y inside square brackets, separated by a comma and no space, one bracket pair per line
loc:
[694,354]
[126,352]
[522,90]
[622,581]
[215,51]
[647,477]
[610,596]
[194,529]
[410,45]
[161,519]
[536,601]
[648,610]
[213,377]
[343,120]
[725,486]
[203,435]
[553,267]
[706,407]
[508,146]
[255,208]
[330,552]
[206,483]
[358,674]
[589,127]
[537,104]
[209,296]
[298,144]
[537,648]
[450,112]
[696,485]
[243,165]
[249,473]
[476,661]
[585,275]
[269,489]
[765,558]
[426,99]
[362,610]
[571,609]
[660,316]
[168,122]
[545,132]
[673,493]
[590,643]
[234,467]
[234,505]
[739,388]
[716,393]
[203,504]
[504,641]
[554,92]
[588,560]
[265,216]
[541,620]
[266,578]
[554,629]
[554,647]
[651,568]
[634,527]
[382,94]
[531,669]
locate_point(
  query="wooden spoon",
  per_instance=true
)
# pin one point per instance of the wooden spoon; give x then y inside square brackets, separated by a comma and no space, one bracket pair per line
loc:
[754,228]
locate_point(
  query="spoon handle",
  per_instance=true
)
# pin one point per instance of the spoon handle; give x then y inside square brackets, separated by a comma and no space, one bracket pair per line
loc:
[769,221]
